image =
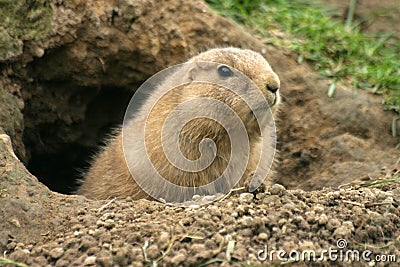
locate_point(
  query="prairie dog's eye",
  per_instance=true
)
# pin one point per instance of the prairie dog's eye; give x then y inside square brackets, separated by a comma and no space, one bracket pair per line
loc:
[224,71]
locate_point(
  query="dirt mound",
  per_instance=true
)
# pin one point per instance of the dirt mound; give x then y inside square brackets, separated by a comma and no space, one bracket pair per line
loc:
[62,91]
[331,141]
[241,229]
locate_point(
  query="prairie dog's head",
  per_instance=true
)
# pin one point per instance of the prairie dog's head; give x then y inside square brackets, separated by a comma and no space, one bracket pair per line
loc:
[240,82]
[231,61]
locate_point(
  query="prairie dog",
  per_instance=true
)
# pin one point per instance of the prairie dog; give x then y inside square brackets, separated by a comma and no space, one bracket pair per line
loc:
[109,175]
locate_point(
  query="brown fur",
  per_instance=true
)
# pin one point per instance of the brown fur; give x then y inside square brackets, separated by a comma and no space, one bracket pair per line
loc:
[109,176]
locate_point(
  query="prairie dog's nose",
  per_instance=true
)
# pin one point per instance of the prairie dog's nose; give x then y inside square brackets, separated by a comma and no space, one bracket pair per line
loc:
[272,87]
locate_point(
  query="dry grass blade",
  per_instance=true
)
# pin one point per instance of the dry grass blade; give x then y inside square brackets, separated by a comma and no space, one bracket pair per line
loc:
[350,13]
[229,249]
[14,263]
[175,238]
[331,89]
[106,205]
[385,181]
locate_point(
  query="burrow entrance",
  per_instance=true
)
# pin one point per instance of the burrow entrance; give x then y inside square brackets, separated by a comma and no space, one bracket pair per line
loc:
[64,127]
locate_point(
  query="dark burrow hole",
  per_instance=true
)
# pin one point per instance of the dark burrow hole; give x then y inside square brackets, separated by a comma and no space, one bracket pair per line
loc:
[65,127]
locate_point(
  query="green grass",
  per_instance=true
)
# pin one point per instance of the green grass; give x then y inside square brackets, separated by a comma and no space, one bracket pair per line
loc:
[22,20]
[338,50]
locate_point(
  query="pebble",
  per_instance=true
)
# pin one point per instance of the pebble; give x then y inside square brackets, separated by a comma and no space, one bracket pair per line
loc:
[41,261]
[277,189]
[242,209]
[87,243]
[11,245]
[81,212]
[93,250]
[342,231]
[282,222]
[38,51]
[105,261]
[107,215]
[153,252]
[16,223]
[214,211]
[133,238]
[318,208]
[299,221]
[333,224]
[246,221]
[345,230]
[310,216]
[271,200]
[197,247]
[20,245]
[210,198]
[178,259]
[109,223]
[56,253]
[77,227]
[349,225]
[62,263]
[164,240]
[247,232]
[137,253]
[246,197]
[263,236]
[78,233]
[91,260]
[196,197]
[20,255]
[306,245]
[323,219]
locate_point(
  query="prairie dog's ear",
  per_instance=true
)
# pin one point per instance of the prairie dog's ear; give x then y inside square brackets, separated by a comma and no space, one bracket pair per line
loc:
[198,68]
[192,73]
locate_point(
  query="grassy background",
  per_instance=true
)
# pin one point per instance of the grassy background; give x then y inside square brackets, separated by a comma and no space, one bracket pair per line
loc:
[337,50]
